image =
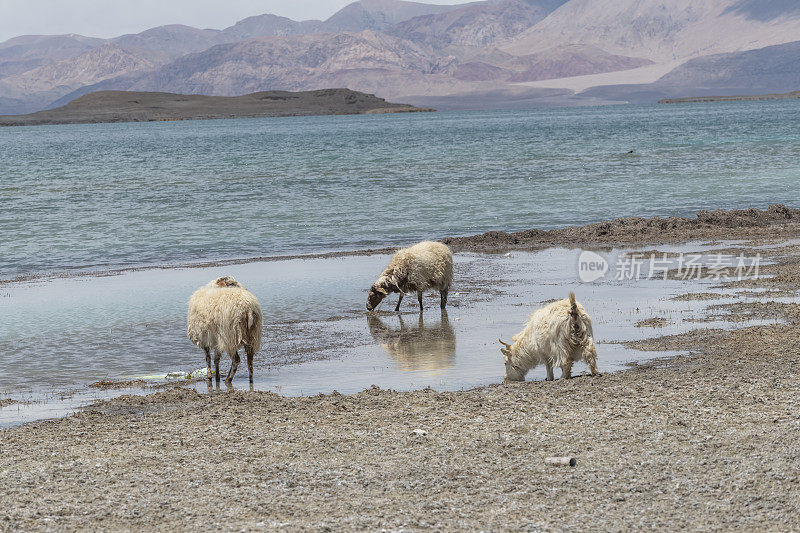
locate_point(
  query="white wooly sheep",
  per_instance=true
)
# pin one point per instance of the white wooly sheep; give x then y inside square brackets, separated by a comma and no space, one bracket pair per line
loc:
[556,335]
[424,266]
[224,316]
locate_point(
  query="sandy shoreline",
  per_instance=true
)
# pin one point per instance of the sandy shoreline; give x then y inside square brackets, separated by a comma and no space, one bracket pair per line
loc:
[705,441]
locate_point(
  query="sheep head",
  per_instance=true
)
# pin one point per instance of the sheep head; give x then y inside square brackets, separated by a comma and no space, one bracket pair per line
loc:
[589,356]
[376,295]
[226,281]
[513,372]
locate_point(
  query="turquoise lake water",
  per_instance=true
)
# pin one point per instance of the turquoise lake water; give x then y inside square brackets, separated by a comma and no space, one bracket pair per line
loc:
[108,195]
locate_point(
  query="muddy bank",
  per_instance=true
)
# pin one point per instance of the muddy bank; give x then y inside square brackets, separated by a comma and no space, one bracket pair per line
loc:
[707,440]
[777,221]
[655,322]
[692,296]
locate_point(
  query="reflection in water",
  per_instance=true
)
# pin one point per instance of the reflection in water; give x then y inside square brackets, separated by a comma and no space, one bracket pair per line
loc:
[431,347]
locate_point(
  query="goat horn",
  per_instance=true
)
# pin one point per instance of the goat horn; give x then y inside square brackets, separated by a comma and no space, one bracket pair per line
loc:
[508,346]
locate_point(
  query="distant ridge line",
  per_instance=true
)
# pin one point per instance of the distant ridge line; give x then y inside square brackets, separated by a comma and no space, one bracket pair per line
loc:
[740,98]
[135,106]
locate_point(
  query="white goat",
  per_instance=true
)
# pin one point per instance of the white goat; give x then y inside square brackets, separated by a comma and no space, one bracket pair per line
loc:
[424,266]
[556,335]
[224,316]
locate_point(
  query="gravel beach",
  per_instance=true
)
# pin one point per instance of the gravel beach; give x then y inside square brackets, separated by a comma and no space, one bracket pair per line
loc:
[708,440]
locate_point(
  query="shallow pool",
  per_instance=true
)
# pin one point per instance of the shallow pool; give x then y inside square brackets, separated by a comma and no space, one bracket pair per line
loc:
[58,335]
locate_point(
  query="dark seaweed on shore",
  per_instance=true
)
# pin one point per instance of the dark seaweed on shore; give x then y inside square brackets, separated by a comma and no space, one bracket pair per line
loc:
[776,221]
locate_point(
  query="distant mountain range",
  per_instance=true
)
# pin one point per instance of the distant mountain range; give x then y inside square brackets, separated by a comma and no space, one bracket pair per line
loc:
[479,54]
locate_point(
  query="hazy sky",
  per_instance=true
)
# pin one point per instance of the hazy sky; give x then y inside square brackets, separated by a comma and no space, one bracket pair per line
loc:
[109,18]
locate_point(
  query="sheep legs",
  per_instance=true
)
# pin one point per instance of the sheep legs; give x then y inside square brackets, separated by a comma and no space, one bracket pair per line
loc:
[443,297]
[419,299]
[217,355]
[208,363]
[250,355]
[234,366]
[566,371]
[549,373]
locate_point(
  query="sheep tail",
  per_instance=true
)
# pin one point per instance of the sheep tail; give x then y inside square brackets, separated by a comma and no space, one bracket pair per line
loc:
[247,330]
[246,322]
[573,306]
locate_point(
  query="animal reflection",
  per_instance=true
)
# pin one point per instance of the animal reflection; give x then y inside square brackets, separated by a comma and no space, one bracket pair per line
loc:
[424,347]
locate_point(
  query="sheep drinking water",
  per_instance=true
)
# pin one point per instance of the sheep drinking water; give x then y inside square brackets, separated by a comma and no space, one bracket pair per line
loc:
[556,335]
[224,316]
[424,266]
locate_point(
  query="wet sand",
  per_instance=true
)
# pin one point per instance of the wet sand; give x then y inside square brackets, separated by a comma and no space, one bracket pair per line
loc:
[706,440]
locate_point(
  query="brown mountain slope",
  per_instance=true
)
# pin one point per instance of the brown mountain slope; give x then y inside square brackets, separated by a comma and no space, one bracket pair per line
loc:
[297,62]
[163,44]
[574,60]
[661,30]
[27,52]
[475,25]
[171,41]
[37,87]
[559,62]
[463,51]
[266,25]
[378,14]
[95,65]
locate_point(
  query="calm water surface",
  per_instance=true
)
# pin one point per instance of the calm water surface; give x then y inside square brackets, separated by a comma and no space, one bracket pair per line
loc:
[103,195]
